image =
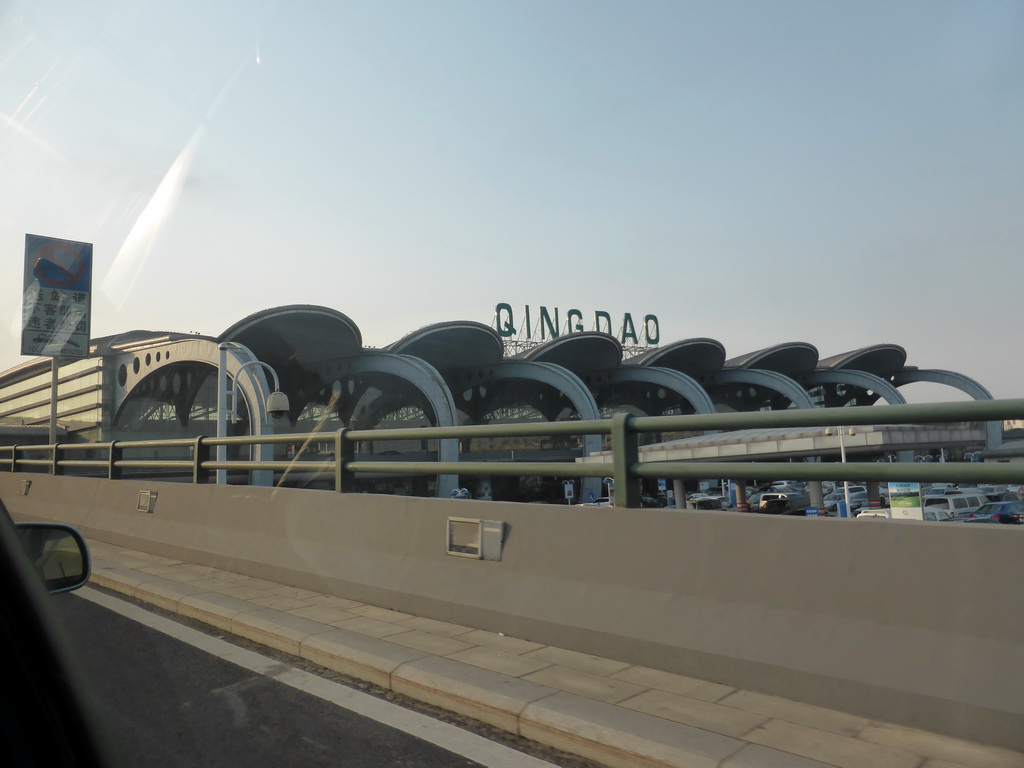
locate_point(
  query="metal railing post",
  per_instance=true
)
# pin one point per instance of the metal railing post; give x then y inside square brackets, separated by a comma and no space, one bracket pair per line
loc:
[115,455]
[14,457]
[344,454]
[200,455]
[625,454]
[54,462]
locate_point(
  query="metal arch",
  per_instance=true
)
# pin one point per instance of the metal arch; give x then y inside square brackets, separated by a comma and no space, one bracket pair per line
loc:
[993,429]
[430,383]
[784,385]
[570,385]
[252,382]
[949,378]
[862,379]
[554,375]
[680,383]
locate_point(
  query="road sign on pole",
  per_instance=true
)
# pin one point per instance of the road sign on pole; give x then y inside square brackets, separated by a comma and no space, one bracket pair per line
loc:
[57,297]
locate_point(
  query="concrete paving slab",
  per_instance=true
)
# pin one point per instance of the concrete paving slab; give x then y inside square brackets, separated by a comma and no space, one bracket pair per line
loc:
[478,693]
[796,712]
[281,602]
[330,601]
[939,747]
[700,714]
[435,627]
[830,748]
[178,572]
[437,645]
[324,615]
[241,591]
[594,687]
[370,627]
[276,629]
[620,738]
[259,584]
[295,592]
[583,662]
[380,614]
[219,580]
[495,660]
[672,683]
[501,642]
[356,655]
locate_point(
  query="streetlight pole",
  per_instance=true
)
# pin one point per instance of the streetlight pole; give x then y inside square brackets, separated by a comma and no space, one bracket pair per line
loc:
[280,401]
[842,459]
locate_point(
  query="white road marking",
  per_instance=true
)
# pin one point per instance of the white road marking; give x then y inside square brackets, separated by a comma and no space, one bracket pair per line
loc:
[443,735]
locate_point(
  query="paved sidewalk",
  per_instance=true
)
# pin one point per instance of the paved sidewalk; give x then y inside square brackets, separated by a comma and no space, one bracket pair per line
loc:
[612,712]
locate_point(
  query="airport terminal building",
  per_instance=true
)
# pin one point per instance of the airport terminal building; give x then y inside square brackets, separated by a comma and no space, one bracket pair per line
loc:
[142,385]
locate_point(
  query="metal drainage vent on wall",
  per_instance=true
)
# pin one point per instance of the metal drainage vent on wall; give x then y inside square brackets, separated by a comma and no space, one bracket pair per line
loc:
[477,539]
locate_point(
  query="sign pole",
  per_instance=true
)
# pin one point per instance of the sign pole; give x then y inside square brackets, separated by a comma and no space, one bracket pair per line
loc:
[54,371]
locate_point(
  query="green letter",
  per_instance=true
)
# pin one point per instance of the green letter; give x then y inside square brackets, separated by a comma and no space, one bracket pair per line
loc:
[504,326]
[607,319]
[578,325]
[652,336]
[628,330]
[545,321]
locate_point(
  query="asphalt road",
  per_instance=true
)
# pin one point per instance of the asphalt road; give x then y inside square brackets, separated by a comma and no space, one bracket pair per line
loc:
[166,703]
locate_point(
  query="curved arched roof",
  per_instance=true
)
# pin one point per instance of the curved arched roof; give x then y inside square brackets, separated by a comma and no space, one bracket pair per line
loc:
[690,356]
[130,340]
[883,360]
[318,355]
[300,333]
[452,345]
[789,359]
[579,352]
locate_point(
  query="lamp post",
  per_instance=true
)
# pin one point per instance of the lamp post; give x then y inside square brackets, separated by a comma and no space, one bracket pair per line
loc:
[277,401]
[842,459]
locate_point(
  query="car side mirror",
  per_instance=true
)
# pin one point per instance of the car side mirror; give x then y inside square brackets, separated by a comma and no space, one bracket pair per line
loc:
[58,553]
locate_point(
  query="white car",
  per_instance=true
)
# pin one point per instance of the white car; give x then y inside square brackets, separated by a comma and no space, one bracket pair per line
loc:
[602,501]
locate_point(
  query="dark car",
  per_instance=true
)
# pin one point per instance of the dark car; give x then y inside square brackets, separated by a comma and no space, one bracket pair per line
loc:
[1009,512]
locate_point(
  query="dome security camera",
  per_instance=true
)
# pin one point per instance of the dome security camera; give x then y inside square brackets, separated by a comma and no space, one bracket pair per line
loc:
[277,405]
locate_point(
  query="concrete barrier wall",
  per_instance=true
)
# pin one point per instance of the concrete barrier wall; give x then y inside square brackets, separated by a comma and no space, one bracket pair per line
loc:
[914,623]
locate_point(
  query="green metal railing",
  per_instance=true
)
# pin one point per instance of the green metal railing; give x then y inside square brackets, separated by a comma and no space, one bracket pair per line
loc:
[624,465]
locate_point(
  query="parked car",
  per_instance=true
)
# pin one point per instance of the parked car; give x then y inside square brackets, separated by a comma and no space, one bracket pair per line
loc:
[706,502]
[990,492]
[787,486]
[858,497]
[652,501]
[788,502]
[602,501]
[959,505]
[858,501]
[933,514]
[1009,512]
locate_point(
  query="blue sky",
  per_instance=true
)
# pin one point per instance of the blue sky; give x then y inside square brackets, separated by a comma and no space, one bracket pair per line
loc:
[756,171]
